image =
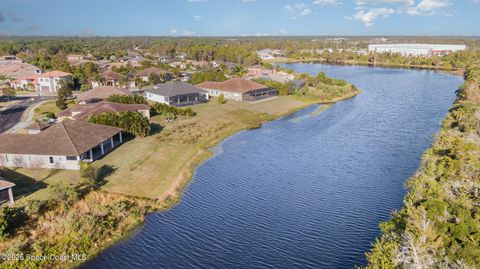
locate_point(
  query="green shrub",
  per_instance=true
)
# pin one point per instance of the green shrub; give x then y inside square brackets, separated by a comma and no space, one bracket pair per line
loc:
[11,218]
[221,99]
[127,99]
[130,121]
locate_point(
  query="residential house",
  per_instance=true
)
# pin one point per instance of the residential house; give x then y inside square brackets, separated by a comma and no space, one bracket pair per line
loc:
[98,94]
[165,59]
[227,65]
[258,70]
[177,93]
[26,83]
[238,89]
[269,54]
[83,111]
[75,57]
[61,146]
[6,193]
[133,60]
[19,70]
[178,64]
[181,56]
[110,78]
[196,65]
[145,74]
[10,59]
[50,81]
[279,76]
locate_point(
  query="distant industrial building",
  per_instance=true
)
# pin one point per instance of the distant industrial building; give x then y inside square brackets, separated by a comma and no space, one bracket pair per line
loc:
[416,49]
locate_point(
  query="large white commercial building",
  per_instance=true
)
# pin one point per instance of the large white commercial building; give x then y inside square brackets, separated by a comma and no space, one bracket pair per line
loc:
[416,49]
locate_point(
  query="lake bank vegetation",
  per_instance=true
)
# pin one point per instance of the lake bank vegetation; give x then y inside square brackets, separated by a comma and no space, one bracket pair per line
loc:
[439,224]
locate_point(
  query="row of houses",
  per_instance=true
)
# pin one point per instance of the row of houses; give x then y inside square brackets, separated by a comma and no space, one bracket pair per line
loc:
[72,139]
[179,93]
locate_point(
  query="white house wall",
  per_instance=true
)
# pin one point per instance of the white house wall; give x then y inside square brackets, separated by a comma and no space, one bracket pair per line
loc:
[156,98]
[38,161]
[228,95]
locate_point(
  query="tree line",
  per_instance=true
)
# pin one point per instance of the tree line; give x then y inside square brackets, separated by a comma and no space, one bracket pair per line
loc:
[439,223]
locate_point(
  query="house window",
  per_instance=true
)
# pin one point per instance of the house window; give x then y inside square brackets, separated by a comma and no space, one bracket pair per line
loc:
[71,158]
[50,160]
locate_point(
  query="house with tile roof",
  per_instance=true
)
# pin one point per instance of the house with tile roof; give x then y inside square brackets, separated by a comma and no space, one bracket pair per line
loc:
[111,78]
[83,111]
[145,74]
[26,83]
[50,81]
[176,93]
[238,89]
[18,70]
[98,94]
[60,146]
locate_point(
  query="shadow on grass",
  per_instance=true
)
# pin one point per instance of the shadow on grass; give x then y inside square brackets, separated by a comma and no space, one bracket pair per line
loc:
[103,172]
[155,128]
[24,185]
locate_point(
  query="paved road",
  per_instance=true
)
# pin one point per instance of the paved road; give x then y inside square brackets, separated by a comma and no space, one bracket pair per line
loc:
[12,115]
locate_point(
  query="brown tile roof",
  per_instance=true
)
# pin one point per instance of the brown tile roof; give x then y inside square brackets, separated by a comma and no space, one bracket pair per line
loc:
[150,70]
[5,184]
[55,74]
[232,85]
[110,75]
[18,70]
[83,111]
[68,138]
[101,93]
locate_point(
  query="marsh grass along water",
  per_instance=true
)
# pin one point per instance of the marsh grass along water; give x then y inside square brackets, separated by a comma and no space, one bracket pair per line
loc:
[304,191]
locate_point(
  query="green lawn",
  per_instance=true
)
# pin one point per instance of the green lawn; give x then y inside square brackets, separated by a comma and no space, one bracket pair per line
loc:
[49,106]
[26,184]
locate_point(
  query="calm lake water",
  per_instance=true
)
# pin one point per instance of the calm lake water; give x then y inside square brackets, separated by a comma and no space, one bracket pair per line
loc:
[305,191]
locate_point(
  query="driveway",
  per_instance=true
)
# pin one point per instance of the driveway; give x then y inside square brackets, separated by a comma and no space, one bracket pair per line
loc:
[12,115]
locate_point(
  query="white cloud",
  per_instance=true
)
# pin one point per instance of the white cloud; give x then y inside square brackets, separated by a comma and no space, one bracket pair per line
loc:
[283,31]
[289,8]
[173,31]
[188,33]
[306,12]
[428,7]
[326,2]
[197,18]
[301,8]
[367,11]
[368,17]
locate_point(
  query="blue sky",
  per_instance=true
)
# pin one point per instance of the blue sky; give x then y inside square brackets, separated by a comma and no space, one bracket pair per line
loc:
[239,17]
